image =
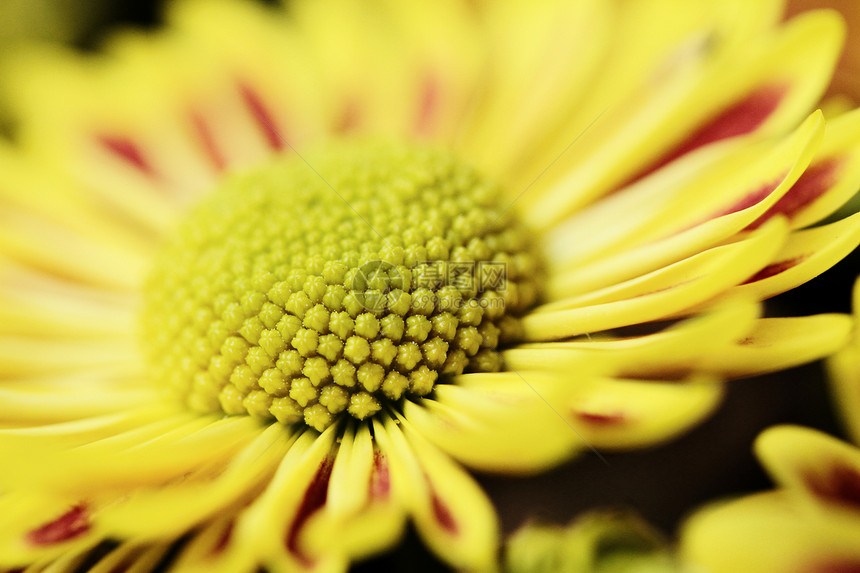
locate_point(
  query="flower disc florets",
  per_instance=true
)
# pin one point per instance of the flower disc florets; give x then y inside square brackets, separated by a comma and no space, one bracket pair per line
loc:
[300,293]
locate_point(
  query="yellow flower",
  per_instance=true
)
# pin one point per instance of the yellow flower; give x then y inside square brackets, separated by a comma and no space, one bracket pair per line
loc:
[812,521]
[659,166]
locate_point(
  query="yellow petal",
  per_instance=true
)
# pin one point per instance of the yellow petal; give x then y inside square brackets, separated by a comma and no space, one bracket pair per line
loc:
[270,529]
[658,294]
[213,548]
[40,527]
[625,414]
[132,558]
[759,92]
[169,511]
[818,469]
[149,454]
[642,62]
[451,513]
[674,349]
[830,180]
[447,73]
[543,58]
[767,532]
[360,516]
[596,541]
[33,197]
[684,208]
[779,343]
[55,401]
[844,369]
[371,83]
[36,303]
[39,244]
[21,355]
[804,256]
[508,422]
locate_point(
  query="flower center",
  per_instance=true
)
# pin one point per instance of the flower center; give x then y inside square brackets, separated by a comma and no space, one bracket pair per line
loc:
[301,293]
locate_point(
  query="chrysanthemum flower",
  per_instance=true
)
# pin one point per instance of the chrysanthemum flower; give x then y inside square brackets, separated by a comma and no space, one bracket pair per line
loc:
[286,374]
[812,521]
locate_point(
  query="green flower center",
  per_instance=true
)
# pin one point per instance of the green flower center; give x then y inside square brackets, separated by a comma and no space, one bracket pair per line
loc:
[303,293]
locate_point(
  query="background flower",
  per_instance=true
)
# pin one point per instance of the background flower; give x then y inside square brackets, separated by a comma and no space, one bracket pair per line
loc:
[811,522]
[594,543]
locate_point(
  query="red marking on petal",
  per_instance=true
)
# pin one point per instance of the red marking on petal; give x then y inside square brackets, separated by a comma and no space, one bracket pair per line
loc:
[775,269]
[207,140]
[751,198]
[350,117]
[814,183]
[263,116]
[443,514]
[838,484]
[68,526]
[127,150]
[667,288]
[380,479]
[740,118]
[315,497]
[428,107]
[223,540]
[601,419]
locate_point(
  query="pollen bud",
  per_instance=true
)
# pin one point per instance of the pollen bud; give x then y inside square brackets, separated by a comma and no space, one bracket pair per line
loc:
[302,295]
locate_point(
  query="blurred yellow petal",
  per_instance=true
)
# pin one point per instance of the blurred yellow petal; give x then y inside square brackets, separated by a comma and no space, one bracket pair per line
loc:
[150,454]
[659,294]
[675,348]
[804,256]
[542,59]
[763,96]
[766,532]
[621,414]
[270,529]
[820,468]
[37,528]
[507,422]
[780,343]
[168,511]
[844,370]
[452,515]
[830,180]
[359,517]
[689,207]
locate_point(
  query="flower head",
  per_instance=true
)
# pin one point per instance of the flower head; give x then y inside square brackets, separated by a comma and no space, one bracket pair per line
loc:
[275,300]
[423,235]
